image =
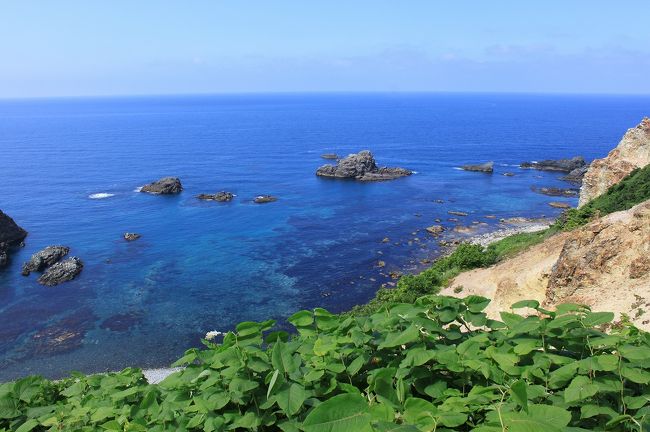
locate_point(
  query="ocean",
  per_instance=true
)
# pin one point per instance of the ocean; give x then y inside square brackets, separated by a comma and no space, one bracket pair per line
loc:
[70,170]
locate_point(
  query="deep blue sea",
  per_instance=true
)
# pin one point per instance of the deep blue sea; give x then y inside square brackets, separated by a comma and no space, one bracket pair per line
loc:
[203,266]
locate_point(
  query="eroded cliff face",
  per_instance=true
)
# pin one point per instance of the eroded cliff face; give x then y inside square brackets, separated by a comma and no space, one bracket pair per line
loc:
[605,265]
[632,152]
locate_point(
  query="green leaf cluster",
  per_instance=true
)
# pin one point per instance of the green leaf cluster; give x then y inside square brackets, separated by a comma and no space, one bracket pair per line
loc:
[437,364]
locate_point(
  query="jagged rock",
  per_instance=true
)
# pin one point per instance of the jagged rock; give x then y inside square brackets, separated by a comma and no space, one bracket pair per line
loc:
[558,204]
[435,229]
[11,235]
[632,152]
[222,196]
[361,166]
[329,156]
[487,167]
[562,165]
[62,271]
[508,174]
[553,191]
[576,175]
[164,186]
[131,236]
[457,213]
[44,258]
[263,199]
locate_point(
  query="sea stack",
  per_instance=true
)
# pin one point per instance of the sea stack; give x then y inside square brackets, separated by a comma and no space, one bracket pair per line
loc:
[361,166]
[164,186]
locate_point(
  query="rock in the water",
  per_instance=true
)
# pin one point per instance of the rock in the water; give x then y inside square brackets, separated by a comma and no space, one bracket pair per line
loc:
[62,271]
[11,235]
[457,213]
[561,205]
[435,229]
[487,167]
[263,199]
[44,258]
[632,152]
[562,165]
[576,175]
[553,191]
[131,236]
[222,196]
[329,156]
[508,174]
[164,186]
[361,166]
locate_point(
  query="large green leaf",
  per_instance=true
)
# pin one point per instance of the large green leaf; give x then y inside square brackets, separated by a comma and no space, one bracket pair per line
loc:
[581,388]
[290,398]
[342,413]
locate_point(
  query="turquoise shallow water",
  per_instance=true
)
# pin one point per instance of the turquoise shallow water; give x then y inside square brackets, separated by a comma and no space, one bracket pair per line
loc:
[201,266]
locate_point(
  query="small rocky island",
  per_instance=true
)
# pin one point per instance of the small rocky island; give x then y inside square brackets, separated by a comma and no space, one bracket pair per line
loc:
[54,270]
[487,167]
[164,186]
[222,196]
[44,258]
[263,199]
[362,167]
[11,235]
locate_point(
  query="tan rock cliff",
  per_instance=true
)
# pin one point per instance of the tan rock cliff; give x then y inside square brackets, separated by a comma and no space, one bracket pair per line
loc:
[605,265]
[632,152]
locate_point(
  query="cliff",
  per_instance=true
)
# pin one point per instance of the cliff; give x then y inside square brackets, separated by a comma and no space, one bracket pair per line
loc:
[632,152]
[604,264]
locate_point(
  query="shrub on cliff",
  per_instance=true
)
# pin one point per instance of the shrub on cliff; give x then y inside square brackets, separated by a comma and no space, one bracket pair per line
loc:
[632,190]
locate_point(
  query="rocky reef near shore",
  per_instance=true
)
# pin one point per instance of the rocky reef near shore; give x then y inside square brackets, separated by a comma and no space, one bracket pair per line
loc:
[62,271]
[561,165]
[164,186]
[11,235]
[487,167]
[361,166]
[633,151]
[42,259]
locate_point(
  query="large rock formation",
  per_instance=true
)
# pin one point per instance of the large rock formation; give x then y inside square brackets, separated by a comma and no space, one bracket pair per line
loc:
[11,235]
[44,258]
[604,265]
[164,186]
[632,152]
[62,271]
[561,165]
[361,166]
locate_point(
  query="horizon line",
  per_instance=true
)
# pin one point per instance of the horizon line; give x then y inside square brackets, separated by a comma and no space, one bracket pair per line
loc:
[316,92]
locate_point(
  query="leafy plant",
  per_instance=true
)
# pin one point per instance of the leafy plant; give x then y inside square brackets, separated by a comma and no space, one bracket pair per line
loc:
[438,364]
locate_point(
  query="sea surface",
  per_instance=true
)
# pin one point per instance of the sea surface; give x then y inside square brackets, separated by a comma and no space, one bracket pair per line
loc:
[70,170]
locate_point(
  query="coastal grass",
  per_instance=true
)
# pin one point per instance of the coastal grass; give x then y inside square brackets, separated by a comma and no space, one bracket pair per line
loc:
[436,364]
[632,190]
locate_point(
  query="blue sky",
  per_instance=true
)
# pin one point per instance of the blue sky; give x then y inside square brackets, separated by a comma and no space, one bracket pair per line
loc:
[74,48]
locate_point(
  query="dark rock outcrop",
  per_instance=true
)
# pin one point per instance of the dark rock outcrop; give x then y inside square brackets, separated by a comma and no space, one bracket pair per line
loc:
[44,258]
[11,235]
[457,213]
[62,271]
[131,236]
[560,205]
[562,165]
[362,167]
[222,196]
[164,186]
[553,191]
[329,156]
[435,230]
[576,175]
[487,167]
[263,199]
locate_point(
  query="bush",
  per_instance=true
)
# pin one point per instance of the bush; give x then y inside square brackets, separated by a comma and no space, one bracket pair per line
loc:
[436,365]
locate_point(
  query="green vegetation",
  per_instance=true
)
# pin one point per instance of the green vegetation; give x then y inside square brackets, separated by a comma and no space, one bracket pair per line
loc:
[512,245]
[632,190]
[435,365]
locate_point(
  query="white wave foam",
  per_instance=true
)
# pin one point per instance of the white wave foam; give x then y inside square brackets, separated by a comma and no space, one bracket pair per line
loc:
[459,169]
[415,172]
[138,189]
[100,195]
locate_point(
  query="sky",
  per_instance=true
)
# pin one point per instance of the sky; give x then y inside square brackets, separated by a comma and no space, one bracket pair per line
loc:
[119,47]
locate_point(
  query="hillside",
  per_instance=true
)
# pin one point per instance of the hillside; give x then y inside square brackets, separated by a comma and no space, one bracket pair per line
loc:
[604,264]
